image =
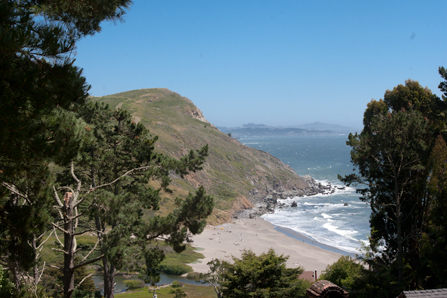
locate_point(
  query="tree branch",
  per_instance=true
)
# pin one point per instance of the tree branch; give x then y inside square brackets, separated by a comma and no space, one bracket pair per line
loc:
[59,228]
[41,273]
[55,234]
[76,218]
[83,280]
[78,189]
[85,231]
[88,262]
[120,177]
[91,251]
[56,196]
[13,189]
[41,244]
[55,267]
[60,250]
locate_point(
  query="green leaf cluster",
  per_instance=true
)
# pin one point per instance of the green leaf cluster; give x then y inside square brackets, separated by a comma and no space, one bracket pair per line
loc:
[47,124]
[398,159]
[132,284]
[265,275]
[344,273]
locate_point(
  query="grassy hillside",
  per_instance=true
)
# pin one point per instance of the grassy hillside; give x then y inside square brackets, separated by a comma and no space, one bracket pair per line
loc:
[236,175]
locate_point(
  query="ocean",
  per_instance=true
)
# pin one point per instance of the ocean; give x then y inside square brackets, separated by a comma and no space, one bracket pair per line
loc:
[323,219]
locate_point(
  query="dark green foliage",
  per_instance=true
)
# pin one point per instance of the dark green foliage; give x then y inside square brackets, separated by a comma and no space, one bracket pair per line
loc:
[33,212]
[174,269]
[53,283]
[117,168]
[434,250]
[39,86]
[40,90]
[193,275]
[6,286]
[443,85]
[179,293]
[177,284]
[344,273]
[265,275]
[392,158]
[132,284]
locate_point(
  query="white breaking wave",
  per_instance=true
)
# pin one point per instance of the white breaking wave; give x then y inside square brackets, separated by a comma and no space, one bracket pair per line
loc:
[323,217]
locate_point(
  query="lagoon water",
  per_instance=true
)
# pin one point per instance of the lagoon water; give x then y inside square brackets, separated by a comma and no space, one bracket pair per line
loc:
[322,218]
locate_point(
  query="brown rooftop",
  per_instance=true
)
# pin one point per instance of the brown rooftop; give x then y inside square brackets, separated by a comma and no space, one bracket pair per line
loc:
[324,288]
[435,293]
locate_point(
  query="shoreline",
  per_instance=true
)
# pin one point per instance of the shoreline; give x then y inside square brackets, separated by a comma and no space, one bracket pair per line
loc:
[257,234]
[299,236]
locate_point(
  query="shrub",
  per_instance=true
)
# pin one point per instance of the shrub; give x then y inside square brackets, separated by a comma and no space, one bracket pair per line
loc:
[132,284]
[194,275]
[179,293]
[177,284]
[343,272]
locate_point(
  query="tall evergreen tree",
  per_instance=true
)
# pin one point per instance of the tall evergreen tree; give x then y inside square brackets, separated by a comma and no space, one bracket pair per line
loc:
[435,237]
[392,158]
[39,90]
[116,169]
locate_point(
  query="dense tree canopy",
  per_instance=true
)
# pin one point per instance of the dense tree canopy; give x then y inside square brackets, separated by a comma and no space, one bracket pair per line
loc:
[265,275]
[46,123]
[343,273]
[116,170]
[392,160]
[40,89]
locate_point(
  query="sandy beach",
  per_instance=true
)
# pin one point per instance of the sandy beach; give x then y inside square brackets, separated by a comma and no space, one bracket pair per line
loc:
[259,235]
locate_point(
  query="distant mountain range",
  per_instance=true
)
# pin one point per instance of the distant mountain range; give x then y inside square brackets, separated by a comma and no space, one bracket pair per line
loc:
[316,128]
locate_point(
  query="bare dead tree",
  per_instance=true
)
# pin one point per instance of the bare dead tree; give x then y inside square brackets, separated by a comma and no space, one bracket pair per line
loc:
[69,216]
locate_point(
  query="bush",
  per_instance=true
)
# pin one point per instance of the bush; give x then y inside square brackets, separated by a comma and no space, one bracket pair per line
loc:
[6,286]
[194,275]
[343,273]
[177,284]
[132,284]
[178,293]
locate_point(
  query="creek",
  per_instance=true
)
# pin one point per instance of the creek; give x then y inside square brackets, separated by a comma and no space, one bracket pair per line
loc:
[121,287]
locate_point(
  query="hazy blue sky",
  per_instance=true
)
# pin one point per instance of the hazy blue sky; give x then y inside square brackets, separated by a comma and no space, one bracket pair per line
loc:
[270,62]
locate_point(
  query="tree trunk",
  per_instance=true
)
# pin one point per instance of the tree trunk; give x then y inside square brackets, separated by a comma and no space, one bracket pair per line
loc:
[16,276]
[109,278]
[400,266]
[35,268]
[69,243]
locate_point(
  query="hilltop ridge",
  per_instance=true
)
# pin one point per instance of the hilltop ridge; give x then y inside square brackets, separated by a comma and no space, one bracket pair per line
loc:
[238,176]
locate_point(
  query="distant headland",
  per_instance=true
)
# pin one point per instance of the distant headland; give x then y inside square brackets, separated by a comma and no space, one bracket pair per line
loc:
[316,128]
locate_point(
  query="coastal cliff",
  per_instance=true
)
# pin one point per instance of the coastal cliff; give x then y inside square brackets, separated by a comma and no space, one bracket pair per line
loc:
[239,177]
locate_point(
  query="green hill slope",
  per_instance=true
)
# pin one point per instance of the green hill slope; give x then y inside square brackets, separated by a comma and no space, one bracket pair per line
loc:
[236,175]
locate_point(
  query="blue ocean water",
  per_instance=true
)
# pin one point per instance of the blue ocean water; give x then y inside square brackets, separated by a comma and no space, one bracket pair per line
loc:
[323,218]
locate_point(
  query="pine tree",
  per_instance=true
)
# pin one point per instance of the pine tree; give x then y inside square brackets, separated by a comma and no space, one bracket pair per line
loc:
[40,90]
[115,170]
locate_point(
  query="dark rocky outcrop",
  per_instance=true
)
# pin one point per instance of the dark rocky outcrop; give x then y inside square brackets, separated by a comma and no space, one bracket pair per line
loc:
[269,203]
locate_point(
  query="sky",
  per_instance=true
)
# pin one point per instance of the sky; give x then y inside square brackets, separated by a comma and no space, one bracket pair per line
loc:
[279,63]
